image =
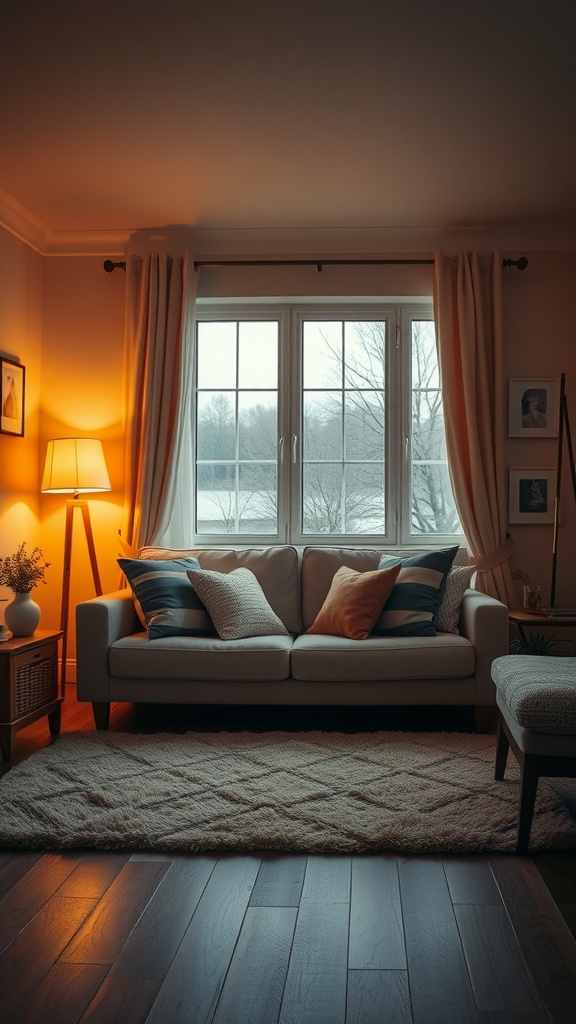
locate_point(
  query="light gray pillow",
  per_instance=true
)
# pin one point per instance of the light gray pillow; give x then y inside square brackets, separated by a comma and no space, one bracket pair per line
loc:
[447,617]
[236,603]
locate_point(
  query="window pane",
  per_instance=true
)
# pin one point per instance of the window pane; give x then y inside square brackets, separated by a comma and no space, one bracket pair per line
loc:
[364,503]
[215,427]
[257,424]
[257,499]
[215,498]
[322,347]
[237,428]
[364,425]
[425,371]
[322,498]
[322,426]
[258,354]
[216,354]
[433,508]
[365,353]
[343,423]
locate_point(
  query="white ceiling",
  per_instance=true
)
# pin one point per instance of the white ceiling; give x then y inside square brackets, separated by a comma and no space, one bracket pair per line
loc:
[288,114]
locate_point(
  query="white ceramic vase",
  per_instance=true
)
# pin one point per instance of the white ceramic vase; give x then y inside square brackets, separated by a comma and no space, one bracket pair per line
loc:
[22,615]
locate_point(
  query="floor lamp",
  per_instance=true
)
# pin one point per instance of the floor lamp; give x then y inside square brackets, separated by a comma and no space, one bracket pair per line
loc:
[563,433]
[75,465]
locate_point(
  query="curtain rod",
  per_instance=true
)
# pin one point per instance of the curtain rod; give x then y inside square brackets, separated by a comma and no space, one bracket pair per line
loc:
[109,265]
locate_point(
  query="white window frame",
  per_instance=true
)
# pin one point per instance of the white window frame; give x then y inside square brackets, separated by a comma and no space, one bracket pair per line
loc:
[290,317]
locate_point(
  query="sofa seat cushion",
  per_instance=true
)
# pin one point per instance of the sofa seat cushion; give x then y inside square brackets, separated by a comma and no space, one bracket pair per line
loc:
[317,657]
[261,657]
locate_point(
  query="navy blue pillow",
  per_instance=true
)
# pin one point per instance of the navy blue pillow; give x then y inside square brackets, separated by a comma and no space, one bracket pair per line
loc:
[417,593]
[170,606]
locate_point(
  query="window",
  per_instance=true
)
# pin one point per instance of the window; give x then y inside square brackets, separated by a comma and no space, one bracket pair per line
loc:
[320,425]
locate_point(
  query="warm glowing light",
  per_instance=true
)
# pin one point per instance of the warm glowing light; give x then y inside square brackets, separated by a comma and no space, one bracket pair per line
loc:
[75,465]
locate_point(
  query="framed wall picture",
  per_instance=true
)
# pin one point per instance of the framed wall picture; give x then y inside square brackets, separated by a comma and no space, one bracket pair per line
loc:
[533,407]
[532,495]
[13,378]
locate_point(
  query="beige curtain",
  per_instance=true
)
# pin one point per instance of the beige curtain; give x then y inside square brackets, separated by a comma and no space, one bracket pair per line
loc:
[160,297]
[468,314]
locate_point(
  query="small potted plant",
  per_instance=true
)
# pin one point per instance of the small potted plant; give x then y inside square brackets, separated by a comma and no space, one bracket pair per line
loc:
[531,593]
[21,572]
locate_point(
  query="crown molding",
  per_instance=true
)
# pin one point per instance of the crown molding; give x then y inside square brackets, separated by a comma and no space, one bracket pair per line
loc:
[206,242]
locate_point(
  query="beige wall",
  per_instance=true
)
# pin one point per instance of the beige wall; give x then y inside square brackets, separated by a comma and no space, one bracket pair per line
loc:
[540,343]
[21,272]
[82,352]
[63,317]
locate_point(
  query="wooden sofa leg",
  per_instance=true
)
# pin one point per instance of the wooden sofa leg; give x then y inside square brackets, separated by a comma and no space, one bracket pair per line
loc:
[502,748]
[484,719]
[530,773]
[101,714]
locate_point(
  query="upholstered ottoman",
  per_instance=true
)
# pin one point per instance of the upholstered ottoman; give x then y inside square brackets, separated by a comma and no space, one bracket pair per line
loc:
[536,700]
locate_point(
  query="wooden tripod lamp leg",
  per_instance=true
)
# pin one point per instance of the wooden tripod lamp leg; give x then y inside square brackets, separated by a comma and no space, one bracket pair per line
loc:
[71,505]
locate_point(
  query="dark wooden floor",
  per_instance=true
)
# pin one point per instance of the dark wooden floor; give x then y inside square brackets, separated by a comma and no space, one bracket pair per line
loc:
[114,936]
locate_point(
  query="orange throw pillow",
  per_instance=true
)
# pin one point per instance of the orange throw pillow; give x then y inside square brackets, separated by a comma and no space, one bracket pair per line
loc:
[354,602]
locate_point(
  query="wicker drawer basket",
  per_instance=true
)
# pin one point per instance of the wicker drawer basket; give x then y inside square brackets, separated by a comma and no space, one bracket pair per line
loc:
[35,685]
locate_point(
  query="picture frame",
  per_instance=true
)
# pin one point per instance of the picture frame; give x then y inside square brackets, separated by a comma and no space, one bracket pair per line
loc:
[12,398]
[532,495]
[533,408]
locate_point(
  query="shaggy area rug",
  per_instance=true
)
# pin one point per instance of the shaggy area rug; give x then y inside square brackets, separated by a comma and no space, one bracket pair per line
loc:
[308,792]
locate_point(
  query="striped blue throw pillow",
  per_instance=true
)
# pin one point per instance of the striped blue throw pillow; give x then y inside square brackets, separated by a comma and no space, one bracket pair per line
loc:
[417,593]
[170,605]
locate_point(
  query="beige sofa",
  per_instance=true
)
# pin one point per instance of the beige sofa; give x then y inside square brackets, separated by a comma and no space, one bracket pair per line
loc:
[117,662]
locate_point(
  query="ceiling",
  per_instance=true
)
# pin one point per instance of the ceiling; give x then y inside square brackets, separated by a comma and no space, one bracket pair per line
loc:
[288,114]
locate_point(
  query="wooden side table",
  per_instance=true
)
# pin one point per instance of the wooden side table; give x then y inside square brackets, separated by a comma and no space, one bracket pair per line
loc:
[537,620]
[29,686]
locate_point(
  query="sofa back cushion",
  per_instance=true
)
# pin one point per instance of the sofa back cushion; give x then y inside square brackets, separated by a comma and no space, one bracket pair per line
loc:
[318,568]
[320,564]
[275,568]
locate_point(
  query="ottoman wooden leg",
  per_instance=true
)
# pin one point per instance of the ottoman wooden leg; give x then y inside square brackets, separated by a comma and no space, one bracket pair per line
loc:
[502,747]
[530,773]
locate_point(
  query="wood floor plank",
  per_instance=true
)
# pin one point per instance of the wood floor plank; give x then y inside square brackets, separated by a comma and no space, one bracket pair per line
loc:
[193,984]
[94,874]
[63,995]
[316,982]
[14,864]
[254,985]
[33,953]
[507,1017]
[558,870]
[122,1001]
[440,985]
[154,940]
[500,975]
[376,930]
[544,936]
[375,997]
[108,927]
[279,882]
[568,911]
[23,901]
[470,880]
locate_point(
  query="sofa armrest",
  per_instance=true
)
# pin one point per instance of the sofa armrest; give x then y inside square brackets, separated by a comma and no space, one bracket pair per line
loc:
[484,621]
[99,622]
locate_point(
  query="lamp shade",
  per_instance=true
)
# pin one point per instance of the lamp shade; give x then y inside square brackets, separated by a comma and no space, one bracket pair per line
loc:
[75,465]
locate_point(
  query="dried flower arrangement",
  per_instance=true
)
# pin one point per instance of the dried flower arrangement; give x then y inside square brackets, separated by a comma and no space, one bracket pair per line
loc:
[23,570]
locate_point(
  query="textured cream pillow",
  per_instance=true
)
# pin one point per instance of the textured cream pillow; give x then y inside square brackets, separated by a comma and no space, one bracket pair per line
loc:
[447,617]
[236,603]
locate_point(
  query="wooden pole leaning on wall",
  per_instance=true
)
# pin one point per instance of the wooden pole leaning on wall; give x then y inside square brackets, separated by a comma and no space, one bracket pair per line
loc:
[563,432]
